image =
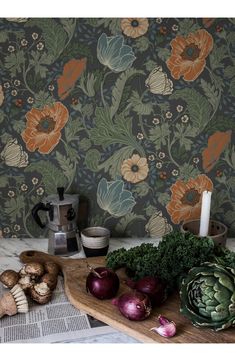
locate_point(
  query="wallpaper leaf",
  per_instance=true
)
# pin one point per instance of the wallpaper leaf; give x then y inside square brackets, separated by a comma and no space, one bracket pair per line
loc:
[13,207]
[211,93]
[14,62]
[69,26]
[232,87]
[119,87]
[197,105]
[3,181]
[113,163]
[92,159]
[139,106]
[124,222]
[220,122]
[73,127]
[217,56]
[54,35]
[2,116]
[163,54]
[229,72]
[66,165]
[159,135]
[188,26]
[107,132]
[53,177]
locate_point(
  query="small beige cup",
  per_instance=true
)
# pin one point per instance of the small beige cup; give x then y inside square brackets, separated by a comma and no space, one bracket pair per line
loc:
[95,241]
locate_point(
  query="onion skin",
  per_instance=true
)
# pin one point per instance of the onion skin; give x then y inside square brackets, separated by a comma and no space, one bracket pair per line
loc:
[102,283]
[152,287]
[135,306]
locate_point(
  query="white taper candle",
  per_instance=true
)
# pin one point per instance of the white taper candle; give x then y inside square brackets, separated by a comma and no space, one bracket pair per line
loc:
[205,213]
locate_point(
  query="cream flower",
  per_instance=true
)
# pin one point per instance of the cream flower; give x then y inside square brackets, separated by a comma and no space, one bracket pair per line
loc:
[13,154]
[135,169]
[134,27]
[157,225]
[158,83]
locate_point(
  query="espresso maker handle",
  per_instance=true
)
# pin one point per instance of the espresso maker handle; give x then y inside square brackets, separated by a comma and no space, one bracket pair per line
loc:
[41,207]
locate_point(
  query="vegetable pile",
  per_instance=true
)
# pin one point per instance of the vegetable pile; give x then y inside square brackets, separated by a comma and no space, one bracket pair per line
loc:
[171,260]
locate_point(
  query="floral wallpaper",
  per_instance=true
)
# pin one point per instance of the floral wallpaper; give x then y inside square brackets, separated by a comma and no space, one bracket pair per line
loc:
[135,115]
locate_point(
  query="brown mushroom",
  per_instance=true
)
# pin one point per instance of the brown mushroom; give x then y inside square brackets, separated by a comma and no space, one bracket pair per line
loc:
[26,283]
[9,278]
[51,267]
[34,269]
[50,279]
[41,293]
[22,272]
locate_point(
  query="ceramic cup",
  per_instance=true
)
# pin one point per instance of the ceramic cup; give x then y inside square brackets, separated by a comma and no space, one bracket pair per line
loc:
[95,241]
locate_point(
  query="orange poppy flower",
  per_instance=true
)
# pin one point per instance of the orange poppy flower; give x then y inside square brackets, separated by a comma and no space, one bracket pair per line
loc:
[43,130]
[217,143]
[71,72]
[186,198]
[188,55]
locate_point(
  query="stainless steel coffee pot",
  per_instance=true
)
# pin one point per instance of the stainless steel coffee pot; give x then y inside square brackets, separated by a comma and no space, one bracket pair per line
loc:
[61,211]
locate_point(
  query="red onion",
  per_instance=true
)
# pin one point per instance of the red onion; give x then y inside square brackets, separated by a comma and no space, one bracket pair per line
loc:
[135,306]
[102,282]
[152,287]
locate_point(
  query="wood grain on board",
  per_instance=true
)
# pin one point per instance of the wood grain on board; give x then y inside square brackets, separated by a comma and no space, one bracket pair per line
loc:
[75,272]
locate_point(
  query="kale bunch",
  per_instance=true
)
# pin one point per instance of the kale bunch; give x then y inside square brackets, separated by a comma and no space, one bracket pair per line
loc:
[175,255]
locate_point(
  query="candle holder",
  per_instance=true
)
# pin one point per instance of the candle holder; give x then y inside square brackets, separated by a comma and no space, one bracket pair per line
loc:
[217,230]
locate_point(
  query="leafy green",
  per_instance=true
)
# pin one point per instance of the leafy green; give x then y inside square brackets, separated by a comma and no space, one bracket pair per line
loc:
[175,255]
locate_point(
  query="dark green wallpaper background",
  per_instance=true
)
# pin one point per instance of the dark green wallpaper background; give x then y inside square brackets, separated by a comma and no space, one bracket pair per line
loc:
[136,115]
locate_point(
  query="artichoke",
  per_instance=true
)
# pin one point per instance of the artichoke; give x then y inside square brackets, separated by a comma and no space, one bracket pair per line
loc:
[207,296]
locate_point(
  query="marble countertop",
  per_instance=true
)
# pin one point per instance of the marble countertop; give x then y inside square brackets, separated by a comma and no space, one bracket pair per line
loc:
[12,247]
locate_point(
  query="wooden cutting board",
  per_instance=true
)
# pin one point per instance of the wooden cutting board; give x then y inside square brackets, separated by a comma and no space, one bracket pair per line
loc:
[75,272]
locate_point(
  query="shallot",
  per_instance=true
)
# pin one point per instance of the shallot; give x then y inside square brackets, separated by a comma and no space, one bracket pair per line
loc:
[135,306]
[152,286]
